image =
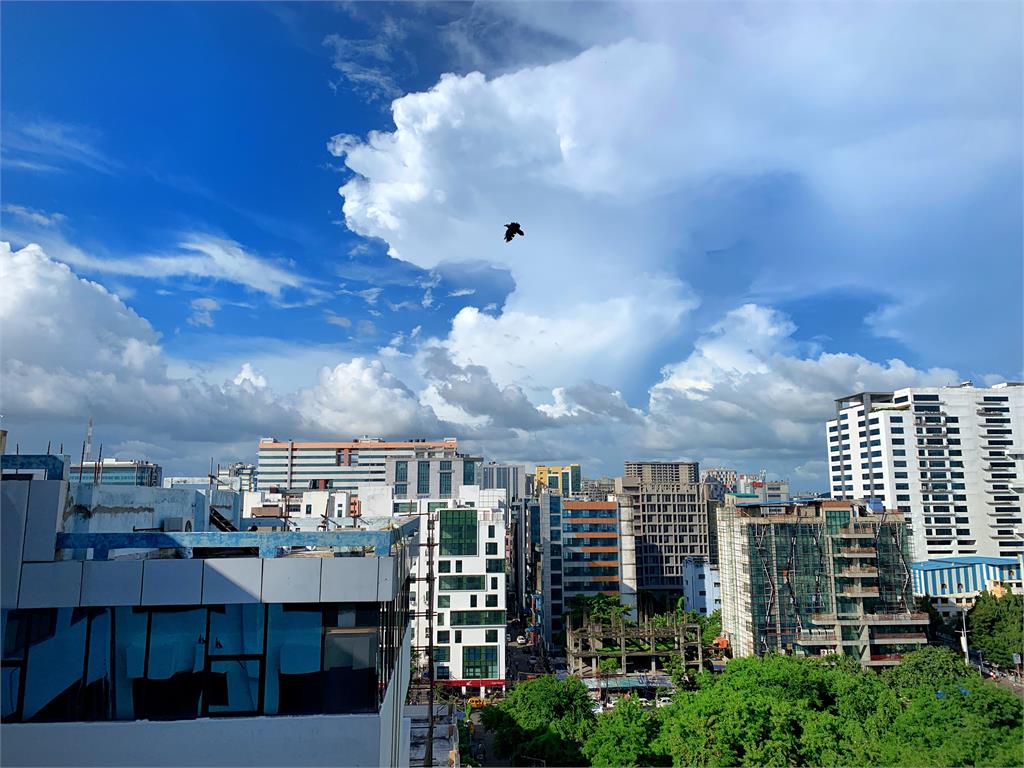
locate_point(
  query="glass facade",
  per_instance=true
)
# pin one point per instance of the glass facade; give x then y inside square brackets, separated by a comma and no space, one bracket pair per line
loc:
[175,663]
[458,532]
[477,618]
[401,471]
[479,662]
[461,583]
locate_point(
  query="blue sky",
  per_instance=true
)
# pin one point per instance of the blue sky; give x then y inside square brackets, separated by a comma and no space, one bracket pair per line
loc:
[734,214]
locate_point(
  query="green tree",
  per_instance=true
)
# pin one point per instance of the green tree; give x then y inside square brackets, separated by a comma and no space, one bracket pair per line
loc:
[628,735]
[544,718]
[929,667]
[606,668]
[995,627]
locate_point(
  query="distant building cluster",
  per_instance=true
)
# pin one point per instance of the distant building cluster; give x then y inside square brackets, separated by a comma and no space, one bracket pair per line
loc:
[333,582]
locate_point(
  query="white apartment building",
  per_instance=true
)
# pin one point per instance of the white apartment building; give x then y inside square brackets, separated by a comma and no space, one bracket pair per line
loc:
[949,458]
[343,466]
[470,572]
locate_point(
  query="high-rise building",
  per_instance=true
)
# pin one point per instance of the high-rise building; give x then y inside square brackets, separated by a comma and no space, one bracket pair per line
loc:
[724,475]
[663,472]
[567,480]
[810,578]
[586,549]
[951,459]
[671,521]
[511,477]
[117,654]
[343,465]
[118,472]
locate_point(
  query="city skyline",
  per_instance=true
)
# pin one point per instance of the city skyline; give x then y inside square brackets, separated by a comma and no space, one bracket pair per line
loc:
[782,208]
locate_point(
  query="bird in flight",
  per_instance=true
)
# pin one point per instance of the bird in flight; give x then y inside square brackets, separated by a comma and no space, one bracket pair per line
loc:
[513,229]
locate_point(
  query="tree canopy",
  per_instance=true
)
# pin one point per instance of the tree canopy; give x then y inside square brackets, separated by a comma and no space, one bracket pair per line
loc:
[778,710]
[995,627]
[544,718]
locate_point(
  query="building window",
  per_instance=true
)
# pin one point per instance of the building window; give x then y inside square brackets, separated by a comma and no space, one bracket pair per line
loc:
[494,582]
[458,532]
[401,471]
[442,636]
[401,490]
[444,601]
[492,548]
[446,484]
[423,477]
[458,635]
[490,531]
[444,566]
[468,473]
[480,662]
[490,601]
[442,653]
[446,466]
[491,635]
[478,618]
[461,583]
[472,601]
[496,566]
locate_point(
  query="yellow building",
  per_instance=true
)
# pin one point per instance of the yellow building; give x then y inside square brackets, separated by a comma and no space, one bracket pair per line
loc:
[567,480]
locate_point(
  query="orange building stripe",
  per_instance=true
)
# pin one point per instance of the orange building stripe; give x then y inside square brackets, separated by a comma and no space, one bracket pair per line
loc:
[589,505]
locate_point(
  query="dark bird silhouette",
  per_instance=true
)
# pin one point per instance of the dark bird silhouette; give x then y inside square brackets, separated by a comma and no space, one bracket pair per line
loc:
[513,229]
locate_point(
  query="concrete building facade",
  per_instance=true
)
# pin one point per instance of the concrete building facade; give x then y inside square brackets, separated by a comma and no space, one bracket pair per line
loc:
[511,477]
[810,578]
[951,459]
[340,465]
[671,524]
[431,474]
[663,472]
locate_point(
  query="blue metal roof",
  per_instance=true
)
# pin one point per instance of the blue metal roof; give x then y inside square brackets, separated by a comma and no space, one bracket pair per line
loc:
[964,561]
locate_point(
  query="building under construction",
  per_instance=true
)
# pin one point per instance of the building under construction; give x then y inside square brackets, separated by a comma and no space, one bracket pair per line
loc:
[817,577]
[643,647]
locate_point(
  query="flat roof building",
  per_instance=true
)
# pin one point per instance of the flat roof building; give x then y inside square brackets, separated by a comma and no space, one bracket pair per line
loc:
[181,645]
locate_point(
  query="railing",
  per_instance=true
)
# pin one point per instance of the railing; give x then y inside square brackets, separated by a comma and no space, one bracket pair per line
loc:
[858,592]
[883,618]
[268,542]
[857,572]
[857,551]
[904,638]
[887,657]
[867,532]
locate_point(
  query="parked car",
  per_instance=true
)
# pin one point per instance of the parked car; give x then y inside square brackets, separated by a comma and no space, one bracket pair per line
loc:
[664,701]
[508,637]
[521,640]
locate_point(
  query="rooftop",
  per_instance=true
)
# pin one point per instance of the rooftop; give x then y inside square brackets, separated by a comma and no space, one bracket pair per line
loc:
[963,561]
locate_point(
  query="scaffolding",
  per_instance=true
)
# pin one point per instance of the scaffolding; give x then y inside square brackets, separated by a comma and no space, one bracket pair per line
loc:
[823,578]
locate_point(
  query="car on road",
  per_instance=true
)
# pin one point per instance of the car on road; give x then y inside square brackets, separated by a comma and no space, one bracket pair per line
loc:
[521,640]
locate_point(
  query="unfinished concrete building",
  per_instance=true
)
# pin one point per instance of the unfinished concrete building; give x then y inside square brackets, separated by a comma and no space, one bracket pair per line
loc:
[643,647]
[818,577]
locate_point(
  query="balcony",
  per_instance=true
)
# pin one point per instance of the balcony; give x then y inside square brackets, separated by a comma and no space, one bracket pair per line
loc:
[856,552]
[853,591]
[886,638]
[883,659]
[857,573]
[896,618]
[856,533]
[817,637]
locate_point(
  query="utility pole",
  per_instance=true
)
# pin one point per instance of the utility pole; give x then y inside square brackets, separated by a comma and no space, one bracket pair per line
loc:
[963,636]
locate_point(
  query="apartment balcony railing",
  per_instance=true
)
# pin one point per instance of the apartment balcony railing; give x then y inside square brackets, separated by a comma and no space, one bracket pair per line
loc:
[817,637]
[895,637]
